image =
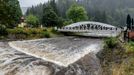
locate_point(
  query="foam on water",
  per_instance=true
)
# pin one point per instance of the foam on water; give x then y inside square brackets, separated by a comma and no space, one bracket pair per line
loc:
[14,62]
[59,59]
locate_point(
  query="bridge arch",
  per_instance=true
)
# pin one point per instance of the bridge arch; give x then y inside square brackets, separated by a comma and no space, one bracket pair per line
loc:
[90,28]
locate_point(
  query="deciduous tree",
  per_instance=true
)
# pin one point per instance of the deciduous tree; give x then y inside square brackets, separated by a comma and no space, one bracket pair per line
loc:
[32,20]
[77,13]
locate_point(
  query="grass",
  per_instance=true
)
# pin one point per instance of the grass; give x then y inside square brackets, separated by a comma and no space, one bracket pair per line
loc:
[111,42]
[31,33]
[125,68]
[117,58]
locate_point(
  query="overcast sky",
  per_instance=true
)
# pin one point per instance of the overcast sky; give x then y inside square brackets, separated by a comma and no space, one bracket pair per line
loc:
[29,3]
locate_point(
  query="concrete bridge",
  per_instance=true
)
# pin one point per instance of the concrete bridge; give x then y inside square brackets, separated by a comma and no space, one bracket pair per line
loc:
[89,28]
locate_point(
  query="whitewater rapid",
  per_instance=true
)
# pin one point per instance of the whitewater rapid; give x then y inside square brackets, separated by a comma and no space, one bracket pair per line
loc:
[60,52]
[14,62]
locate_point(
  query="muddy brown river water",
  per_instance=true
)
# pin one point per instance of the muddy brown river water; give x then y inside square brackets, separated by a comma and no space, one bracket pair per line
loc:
[70,52]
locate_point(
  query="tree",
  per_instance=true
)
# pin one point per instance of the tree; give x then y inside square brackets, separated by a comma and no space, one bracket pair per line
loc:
[128,21]
[63,6]
[3,30]
[36,10]
[50,19]
[132,23]
[77,13]
[32,20]
[10,12]
[53,5]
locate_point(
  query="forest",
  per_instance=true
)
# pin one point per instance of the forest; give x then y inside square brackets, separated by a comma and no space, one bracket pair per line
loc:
[27,40]
[113,12]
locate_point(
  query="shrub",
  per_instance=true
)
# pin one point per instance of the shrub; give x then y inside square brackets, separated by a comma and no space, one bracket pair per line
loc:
[17,31]
[46,34]
[53,30]
[3,30]
[111,42]
[32,20]
[67,22]
[30,33]
[130,47]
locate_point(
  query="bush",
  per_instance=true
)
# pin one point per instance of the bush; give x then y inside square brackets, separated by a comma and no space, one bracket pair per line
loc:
[17,31]
[46,34]
[111,42]
[31,33]
[67,22]
[32,20]
[3,30]
[130,47]
[53,30]
[27,33]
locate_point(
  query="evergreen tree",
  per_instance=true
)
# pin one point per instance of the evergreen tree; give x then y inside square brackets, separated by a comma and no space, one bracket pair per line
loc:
[50,19]
[10,12]
[37,11]
[132,23]
[53,5]
[129,21]
[63,6]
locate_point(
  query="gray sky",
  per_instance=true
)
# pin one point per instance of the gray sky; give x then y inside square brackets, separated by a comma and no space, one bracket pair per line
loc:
[28,3]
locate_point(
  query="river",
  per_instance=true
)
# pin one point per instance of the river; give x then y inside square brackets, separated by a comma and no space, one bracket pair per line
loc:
[76,52]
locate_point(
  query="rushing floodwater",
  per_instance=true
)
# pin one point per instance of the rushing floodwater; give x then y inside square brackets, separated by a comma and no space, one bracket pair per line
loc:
[13,62]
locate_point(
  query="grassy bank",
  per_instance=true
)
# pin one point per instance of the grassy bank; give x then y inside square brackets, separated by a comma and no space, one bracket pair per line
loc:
[30,33]
[117,58]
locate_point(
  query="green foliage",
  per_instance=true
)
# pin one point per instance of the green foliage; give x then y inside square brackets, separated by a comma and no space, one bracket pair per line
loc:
[36,10]
[50,19]
[17,31]
[10,12]
[67,22]
[3,30]
[29,33]
[32,20]
[53,30]
[63,6]
[53,5]
[128,22]
[46,34]
[96,10]
[130,47]
[77,13]
[111,42]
